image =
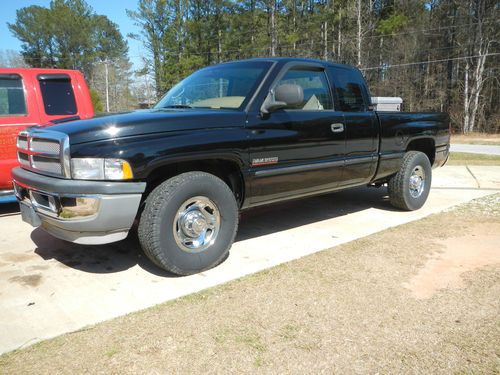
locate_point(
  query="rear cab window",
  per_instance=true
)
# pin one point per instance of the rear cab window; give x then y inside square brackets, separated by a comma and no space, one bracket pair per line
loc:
[57,94]
[12,100]
[350,89]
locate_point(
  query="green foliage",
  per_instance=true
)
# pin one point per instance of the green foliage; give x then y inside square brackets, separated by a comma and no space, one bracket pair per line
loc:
[70,35]
[96,101]
[392,24]
[67,34]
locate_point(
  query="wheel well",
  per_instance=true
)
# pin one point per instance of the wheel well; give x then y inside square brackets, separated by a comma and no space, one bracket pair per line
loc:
[228,171]
[425,145]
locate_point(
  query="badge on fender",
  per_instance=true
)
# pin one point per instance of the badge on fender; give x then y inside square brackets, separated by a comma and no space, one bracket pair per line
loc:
[264,161]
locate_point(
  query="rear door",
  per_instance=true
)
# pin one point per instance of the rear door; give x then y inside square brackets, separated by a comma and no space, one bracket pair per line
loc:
[296,151]
[352,98]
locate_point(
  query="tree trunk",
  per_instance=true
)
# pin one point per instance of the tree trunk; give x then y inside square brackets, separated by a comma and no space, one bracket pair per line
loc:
[325,40]
[339,35]
[359,36]
[272,23]
[466,99]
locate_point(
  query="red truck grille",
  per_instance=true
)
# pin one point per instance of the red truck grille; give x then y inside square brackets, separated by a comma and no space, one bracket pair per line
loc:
[44,151]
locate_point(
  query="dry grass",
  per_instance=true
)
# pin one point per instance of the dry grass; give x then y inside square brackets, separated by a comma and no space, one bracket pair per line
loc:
[476,139]
[343,310]
[463,158]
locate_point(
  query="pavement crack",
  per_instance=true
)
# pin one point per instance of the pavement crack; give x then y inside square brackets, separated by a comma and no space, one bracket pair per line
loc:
[472,174]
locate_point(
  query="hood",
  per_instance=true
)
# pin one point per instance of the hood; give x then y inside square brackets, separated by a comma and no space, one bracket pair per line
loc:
[145,122]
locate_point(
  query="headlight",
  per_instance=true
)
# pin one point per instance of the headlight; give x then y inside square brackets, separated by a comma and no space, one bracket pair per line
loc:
[100,169]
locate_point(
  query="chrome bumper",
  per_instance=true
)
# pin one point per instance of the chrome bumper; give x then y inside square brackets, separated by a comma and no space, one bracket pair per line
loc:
[81,218]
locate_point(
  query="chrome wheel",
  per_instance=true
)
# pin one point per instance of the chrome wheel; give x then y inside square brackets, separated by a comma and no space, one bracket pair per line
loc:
[196,224]
[417,181]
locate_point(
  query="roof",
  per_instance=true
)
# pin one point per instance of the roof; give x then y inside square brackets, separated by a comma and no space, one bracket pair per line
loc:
[35,70]
[292,59]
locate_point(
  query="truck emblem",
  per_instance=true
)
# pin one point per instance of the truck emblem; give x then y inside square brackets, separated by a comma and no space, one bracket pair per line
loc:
[264,161]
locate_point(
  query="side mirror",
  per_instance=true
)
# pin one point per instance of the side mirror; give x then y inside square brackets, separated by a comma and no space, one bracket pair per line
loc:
[286,95]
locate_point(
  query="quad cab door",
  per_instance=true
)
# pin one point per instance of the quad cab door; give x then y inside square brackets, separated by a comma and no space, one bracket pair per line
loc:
[296,151]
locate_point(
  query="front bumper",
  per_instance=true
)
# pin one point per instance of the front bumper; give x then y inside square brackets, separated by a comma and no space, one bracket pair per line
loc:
[85,212]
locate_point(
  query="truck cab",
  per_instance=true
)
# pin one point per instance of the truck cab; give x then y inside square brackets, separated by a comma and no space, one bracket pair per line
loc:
[32,97]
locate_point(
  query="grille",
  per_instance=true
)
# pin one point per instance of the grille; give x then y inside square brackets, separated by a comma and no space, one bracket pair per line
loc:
[44,164]
[23,159]
[22,142]
[42,151]
[45,146]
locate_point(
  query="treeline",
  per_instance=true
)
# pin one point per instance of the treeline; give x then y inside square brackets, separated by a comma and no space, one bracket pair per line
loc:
[436,54]
[68,34]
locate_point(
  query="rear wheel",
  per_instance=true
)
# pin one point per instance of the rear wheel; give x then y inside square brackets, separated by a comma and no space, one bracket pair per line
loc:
[189,223]
[409,188]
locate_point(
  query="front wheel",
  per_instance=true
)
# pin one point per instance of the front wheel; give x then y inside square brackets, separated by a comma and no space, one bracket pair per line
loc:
[409,188]
[189,223]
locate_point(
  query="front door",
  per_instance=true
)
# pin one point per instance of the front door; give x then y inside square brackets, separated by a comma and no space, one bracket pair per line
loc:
[300,150]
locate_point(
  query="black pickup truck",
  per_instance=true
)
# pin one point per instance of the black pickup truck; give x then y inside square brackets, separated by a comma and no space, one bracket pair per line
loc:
[226,138]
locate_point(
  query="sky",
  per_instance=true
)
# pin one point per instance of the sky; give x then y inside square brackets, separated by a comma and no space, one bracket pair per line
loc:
[115,10]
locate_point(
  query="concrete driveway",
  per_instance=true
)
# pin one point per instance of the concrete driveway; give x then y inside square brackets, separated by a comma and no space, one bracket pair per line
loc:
[475,149]
[49,287]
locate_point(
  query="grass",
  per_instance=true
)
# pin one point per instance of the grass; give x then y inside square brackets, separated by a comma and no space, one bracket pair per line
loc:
[343,310]
[462,158]
[476,139]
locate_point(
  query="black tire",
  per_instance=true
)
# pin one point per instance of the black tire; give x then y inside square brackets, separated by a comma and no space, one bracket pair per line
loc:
[402,193]
[159,219]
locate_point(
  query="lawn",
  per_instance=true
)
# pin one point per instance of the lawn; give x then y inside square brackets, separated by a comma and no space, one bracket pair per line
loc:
[418,298]
[462,158]
[476,139]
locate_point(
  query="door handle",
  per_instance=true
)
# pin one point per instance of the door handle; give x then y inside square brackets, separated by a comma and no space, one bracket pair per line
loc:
[337,127]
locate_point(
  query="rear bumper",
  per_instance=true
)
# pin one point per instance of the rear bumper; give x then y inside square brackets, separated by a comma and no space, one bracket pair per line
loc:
[85,212]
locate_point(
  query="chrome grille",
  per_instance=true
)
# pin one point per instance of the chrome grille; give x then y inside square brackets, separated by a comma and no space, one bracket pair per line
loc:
[22,142]
[45,146]
[44,151]
[46,164]
[23,159]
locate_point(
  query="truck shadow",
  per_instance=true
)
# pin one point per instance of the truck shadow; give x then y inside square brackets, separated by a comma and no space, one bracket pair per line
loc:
[254,223]
[9,209]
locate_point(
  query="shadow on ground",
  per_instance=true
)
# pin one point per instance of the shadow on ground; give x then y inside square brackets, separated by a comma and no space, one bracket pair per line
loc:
[8,209]
[120,256]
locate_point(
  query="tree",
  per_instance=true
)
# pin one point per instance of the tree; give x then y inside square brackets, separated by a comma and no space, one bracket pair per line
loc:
[154,19]
[436,54]
[69,34]
[33,27]
[11,59]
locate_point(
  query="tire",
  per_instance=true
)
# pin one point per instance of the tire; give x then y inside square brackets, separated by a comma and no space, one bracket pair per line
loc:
[405,187]
[189,223]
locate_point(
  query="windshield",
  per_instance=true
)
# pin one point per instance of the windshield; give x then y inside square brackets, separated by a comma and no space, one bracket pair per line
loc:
[227,86]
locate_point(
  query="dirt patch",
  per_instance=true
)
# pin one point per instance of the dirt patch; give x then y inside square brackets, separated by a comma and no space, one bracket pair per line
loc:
[477,249]
[27,280]
[341,311]
[14,258]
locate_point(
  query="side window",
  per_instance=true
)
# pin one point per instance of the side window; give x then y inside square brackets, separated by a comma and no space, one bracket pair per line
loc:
[12,101]
[317,94]
[57,94]
[349,86]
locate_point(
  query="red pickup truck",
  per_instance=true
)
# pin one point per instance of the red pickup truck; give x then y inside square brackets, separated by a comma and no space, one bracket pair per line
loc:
[36,96]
